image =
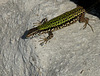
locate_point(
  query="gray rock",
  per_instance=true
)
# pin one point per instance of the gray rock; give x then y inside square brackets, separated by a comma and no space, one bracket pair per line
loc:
[71,52]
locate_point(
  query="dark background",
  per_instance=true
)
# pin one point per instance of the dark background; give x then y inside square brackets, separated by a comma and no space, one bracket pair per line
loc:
[91,6]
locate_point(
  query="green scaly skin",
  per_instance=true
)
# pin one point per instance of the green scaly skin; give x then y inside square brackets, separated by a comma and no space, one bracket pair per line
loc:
[64,18]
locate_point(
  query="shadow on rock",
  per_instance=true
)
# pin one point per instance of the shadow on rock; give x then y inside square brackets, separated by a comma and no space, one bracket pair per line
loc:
[24,35]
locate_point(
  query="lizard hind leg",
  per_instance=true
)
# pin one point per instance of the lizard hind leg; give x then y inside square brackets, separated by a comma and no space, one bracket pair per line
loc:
[82,18]
[87,23]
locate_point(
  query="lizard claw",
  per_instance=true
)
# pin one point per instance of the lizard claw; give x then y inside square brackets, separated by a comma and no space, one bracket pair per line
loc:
[44,40]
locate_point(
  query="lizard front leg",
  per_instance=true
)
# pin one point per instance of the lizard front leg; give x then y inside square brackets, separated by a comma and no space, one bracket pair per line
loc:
[41,22]
[50,35]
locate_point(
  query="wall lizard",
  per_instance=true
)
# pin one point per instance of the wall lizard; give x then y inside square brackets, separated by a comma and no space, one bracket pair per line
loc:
[63,20]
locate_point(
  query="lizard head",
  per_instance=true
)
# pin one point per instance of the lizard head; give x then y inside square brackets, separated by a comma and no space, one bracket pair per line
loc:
[32,32]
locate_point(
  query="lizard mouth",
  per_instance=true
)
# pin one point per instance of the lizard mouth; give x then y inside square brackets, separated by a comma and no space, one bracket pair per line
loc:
[29,35]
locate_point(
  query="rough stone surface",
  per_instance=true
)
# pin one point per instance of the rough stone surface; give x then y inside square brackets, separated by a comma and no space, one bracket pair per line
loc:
[71,52]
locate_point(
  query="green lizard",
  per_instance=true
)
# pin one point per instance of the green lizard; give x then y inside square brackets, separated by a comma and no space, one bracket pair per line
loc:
[65,19]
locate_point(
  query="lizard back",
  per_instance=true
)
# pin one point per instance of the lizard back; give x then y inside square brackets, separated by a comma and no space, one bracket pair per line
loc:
[65,18]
